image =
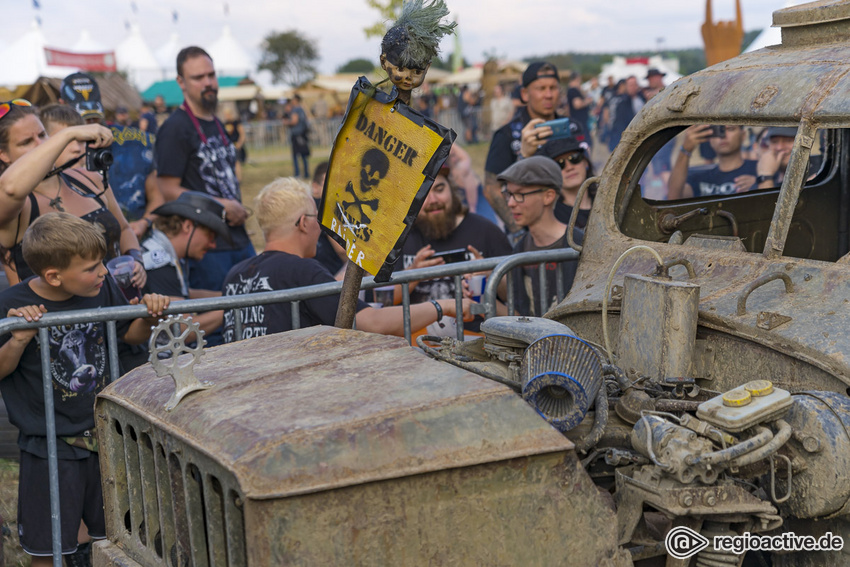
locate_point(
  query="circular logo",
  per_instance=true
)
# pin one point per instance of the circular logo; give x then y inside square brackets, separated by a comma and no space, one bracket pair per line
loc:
[683,542]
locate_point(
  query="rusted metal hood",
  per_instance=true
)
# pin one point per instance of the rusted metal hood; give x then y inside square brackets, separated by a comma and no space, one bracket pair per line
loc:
[321,408]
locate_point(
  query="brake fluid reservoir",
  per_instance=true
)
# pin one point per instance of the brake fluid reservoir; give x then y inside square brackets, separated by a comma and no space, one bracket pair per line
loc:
[745,406]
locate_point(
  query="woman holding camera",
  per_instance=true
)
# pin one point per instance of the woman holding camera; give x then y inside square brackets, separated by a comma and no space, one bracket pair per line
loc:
[37,176]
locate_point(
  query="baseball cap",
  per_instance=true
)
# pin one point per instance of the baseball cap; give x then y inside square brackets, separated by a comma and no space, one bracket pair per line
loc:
[539,171]
[555,148]
[200,208]
[80,90]
[654,73]
[121,110]
[538,70]
[787,132]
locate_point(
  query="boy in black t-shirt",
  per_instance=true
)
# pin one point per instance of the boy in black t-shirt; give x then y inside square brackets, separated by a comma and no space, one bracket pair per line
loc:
[67,254]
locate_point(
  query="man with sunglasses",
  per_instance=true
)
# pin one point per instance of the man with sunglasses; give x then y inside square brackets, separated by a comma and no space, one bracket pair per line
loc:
[531,188]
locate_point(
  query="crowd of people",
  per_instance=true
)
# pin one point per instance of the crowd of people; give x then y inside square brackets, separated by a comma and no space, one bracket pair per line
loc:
[79,194]
[171,202]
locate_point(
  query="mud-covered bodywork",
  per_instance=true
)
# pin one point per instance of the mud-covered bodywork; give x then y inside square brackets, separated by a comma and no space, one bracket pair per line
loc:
[332,447]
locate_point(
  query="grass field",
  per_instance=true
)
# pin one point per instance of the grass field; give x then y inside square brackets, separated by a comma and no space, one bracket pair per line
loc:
[262,167]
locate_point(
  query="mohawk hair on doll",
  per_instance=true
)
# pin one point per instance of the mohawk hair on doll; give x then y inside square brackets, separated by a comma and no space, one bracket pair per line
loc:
[414,39]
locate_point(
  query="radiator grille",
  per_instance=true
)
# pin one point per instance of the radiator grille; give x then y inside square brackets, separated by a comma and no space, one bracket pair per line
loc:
[166,503]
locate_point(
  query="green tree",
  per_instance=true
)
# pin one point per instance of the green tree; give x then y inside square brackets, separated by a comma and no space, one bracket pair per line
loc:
[360,65]
[290,57]
[389,10]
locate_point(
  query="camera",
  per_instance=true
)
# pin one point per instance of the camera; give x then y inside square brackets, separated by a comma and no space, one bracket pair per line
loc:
[98,159]
[718,132]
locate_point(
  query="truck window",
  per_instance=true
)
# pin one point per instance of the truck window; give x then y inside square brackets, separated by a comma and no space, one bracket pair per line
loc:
[723,180]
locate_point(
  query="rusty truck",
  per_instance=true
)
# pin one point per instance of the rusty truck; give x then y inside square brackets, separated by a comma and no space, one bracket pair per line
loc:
[687,401]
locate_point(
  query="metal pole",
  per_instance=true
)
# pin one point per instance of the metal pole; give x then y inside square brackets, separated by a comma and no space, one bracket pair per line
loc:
[348,297]
[52,455]
[405,301]
[112,343]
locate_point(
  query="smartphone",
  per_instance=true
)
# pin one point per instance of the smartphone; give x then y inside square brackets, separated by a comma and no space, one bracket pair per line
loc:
[452,256]
[718,132]
[561,128]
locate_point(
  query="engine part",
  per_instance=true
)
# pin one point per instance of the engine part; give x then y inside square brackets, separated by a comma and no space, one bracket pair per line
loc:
[658,324]
[561,377]
[820,421]
[746,406]
[669,446]
[516,333]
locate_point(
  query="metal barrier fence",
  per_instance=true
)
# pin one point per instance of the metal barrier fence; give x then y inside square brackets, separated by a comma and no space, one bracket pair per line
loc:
[500,267]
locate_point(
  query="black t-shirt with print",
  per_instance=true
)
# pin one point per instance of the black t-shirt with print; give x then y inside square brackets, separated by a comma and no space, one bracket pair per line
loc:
[485,236]
[206,167]
[708,180]
[275,270]
[79,368]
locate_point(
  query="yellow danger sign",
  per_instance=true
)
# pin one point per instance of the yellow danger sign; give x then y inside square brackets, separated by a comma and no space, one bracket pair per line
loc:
[384,160]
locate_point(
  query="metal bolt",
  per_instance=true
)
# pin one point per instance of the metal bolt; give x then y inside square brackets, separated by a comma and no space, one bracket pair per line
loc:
[686,500]
[709,499]
[811,444]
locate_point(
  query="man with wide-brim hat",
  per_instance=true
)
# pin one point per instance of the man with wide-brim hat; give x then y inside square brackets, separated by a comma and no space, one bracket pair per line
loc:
[185,228]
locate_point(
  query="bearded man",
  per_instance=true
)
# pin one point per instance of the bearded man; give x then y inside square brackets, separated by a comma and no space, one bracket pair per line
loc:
[193,153]
[444,224]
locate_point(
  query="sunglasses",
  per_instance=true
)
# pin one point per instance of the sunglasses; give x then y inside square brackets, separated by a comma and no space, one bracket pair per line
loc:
[7,106]
[574,158]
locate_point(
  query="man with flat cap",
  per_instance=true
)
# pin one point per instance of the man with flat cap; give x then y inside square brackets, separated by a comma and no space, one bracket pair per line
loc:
[185,229]
[541,90]
[530,189]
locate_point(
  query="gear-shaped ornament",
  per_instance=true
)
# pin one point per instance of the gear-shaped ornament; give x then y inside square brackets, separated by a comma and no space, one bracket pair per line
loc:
[167,339]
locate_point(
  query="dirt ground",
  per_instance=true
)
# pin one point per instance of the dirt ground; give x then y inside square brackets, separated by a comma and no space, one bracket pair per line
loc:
[262,168]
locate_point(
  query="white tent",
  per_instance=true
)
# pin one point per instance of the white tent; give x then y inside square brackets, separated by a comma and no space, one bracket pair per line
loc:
[136,59]
[24,60]
[166,56]
[623,68]
[87,44]
[769,35]
[231,59]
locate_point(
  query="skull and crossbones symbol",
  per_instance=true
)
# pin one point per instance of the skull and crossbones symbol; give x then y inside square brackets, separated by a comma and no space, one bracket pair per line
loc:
[356,212]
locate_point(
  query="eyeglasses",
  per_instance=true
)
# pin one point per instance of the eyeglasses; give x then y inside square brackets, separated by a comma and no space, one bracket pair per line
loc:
[519,197]
[574,158]
[7,106]
[304,215]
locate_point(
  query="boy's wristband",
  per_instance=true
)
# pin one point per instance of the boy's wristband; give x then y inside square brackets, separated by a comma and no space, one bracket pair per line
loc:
[439,310]
[136,254]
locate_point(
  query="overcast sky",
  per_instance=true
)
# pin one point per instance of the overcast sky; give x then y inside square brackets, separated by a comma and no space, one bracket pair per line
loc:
[511,29]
